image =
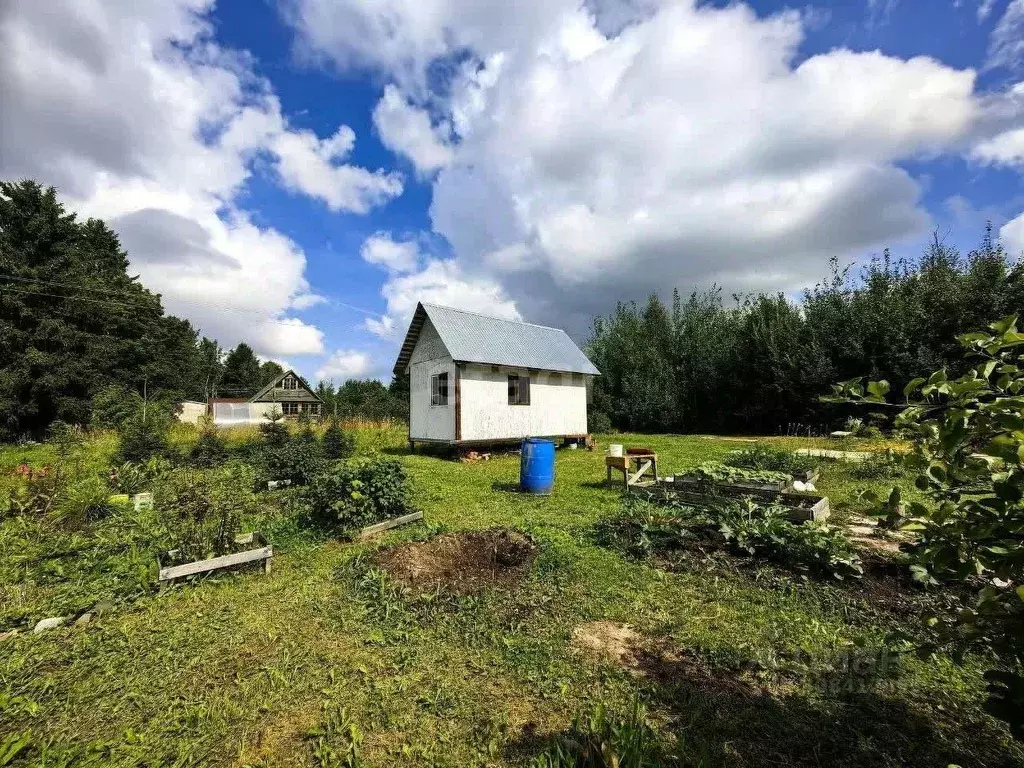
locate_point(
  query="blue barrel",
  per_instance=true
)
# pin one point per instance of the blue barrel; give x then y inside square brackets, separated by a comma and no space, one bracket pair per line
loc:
[537,466]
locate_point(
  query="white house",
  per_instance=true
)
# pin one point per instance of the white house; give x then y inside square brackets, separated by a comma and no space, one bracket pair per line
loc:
[479,379]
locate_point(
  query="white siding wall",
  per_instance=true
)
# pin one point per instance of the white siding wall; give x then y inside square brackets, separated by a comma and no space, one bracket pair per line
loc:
[426,421]
[558,406]
[191,412]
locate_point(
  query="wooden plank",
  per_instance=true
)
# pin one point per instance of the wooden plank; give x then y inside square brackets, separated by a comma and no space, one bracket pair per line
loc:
[458,402]
[214,563]
[389,524]
[632,479]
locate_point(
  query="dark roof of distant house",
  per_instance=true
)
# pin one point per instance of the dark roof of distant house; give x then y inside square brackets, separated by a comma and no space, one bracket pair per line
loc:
[277,380]
[474,338]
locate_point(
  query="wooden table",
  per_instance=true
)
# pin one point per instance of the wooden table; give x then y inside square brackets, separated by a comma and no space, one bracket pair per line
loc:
[635,467]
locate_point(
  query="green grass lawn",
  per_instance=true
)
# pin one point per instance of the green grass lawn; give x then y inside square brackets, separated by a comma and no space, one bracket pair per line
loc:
[282,669]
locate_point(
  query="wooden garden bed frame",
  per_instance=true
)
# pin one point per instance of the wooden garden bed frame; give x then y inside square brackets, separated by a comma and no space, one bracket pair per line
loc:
[263,552]
[801,507]
[387,525]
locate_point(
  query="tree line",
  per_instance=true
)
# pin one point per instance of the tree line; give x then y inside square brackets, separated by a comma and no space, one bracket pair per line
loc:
[762,362]
[79,335]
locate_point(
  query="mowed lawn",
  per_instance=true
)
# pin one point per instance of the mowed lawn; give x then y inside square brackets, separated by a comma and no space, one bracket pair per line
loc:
[293,667]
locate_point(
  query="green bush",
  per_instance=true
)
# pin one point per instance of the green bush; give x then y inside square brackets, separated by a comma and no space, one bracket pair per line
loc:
[209,450]
[141,438]
[968,458]
[598,740]
[359,492]
[202,510]
[337,443]
[599,422]
[273,431]
[127,478]
[296,461]
[764,457]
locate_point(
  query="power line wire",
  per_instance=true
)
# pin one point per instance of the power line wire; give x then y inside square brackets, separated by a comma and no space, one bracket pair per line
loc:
[108,291]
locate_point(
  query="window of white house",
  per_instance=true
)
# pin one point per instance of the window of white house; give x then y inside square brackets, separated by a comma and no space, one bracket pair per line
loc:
[290,382]
[439,389]
[290,409]
[518,389]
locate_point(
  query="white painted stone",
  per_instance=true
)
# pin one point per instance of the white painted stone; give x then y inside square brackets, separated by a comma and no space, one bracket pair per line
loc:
[51,623]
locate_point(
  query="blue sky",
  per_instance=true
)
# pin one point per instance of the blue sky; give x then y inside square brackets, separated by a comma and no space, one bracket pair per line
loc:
[298,173]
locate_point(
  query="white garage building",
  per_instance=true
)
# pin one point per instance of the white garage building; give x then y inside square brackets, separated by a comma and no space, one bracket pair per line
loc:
[475,379]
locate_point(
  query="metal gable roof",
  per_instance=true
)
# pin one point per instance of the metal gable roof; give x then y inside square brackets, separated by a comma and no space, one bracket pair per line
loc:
[474,338]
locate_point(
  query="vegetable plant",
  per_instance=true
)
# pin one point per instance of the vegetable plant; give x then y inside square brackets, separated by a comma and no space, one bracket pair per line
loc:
[764,457]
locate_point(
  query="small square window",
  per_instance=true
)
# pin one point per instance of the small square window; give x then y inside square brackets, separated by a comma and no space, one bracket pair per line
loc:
[290,382]
[290,409]
[439,389]
[518,389]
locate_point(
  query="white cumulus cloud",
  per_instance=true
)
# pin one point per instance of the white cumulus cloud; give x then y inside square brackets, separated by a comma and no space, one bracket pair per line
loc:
[607,150]
[407,130]
[140,118]
[345,364]
[393,255]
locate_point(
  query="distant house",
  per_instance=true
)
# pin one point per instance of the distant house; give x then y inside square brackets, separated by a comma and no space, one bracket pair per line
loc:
[480,379]
[288,393]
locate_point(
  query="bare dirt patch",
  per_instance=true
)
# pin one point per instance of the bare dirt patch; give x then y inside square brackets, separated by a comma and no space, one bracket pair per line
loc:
[654,659]
[462,563]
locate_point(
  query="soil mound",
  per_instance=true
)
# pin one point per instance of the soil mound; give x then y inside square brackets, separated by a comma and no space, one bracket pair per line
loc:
[462,563]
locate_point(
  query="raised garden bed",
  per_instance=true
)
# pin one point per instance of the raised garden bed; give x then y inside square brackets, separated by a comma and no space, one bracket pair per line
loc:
[387,525]
[807,476]
[261,551]
[801,507]
[776,486]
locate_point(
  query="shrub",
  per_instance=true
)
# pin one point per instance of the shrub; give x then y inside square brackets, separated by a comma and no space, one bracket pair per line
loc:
[209,450]
[359,492]
[337,443]
[968,455]
[127,478]
[296,461]
[40,494]
[274,432]
[598,740]
[141,438]
[765,532]
[764,457]
[203,509]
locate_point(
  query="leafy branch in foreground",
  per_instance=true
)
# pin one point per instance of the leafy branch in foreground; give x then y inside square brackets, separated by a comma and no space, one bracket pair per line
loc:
[968,458]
